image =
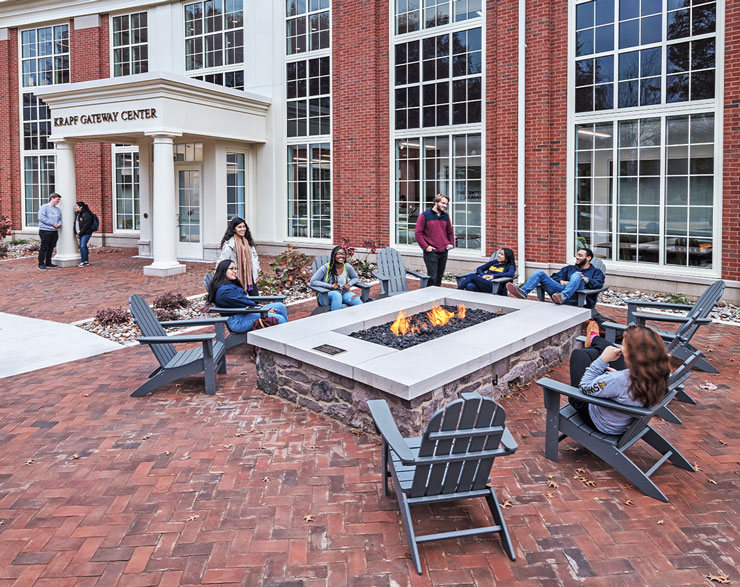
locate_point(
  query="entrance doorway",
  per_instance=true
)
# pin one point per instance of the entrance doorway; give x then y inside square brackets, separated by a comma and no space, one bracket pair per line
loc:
[189,245]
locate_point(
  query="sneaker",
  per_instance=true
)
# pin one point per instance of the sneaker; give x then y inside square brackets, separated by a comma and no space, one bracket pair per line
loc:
[82,265]
[514,291]
[42,267]
[86,263]
[52,265]
[592,330]
[557,298]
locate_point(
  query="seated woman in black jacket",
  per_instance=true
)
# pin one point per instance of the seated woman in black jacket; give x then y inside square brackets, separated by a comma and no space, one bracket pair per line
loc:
[502,266]
[226,291]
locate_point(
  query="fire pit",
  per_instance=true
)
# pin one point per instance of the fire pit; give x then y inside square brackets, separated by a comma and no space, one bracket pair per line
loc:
[316,362]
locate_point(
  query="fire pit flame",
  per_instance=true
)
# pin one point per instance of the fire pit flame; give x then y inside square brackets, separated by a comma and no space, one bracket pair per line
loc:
[461,311]
[401,325]
[438,316]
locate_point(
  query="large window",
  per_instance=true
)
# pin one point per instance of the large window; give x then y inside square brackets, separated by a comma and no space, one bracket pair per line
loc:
[127,187]
[44,61]
[308,91]
[309,190]
[214,42]
[236,179]
[426,166]
[414,15]
[307,26]
[130,48]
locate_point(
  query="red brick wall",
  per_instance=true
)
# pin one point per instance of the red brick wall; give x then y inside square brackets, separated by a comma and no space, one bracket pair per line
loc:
[501,124]
[731,169]
[89,60]
[360,110]
[10,178]
[546,141]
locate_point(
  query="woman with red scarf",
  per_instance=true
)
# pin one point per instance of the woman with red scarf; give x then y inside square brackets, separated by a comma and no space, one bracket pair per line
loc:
[237,245]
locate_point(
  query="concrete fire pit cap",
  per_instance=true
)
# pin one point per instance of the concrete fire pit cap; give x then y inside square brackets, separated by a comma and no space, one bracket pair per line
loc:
[415,371]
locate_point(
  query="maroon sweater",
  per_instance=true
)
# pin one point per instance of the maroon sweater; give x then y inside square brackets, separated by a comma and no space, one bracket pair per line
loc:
[434,230]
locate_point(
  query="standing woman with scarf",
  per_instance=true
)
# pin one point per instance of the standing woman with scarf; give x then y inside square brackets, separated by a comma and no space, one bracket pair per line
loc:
[237,245]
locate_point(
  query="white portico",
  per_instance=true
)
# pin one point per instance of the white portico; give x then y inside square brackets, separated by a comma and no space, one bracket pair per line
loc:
[183,205]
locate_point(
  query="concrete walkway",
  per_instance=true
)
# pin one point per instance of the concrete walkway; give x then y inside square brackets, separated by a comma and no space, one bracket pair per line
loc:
[27,344]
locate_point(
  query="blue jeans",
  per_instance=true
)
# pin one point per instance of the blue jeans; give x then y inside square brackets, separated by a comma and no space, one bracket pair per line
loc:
[551,286]
[336,298]
[244,322]
[474,282]
[84,251]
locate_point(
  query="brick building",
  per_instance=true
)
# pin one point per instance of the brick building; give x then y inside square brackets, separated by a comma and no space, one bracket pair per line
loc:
[552,125]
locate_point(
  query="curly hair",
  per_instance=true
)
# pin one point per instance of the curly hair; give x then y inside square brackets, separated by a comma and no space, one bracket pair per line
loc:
[231,230]
[648,364]
[331,276]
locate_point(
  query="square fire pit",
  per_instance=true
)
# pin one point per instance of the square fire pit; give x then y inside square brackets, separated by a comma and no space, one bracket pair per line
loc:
[316,364]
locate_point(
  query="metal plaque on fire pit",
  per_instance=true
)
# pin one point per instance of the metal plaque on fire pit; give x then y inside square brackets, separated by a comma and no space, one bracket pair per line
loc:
[329,349]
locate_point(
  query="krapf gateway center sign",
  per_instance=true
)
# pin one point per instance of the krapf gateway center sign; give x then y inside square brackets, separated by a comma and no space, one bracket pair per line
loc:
[100,117]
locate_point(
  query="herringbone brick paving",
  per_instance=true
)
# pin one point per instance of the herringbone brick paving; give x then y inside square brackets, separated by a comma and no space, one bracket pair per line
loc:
[241,488]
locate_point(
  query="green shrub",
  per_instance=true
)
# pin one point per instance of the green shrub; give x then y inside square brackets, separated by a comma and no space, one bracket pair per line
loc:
[363,267]
[19,241]
[292,271]
[679,298]
[5,226]
[4,250]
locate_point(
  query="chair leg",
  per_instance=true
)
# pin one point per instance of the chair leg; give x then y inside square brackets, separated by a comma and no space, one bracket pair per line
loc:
[149,386]
[209,368]
[668,416]
[684,397]
[552,420]
[498,517]
[682,353]
[222,365]
[408,526]
[659,443]
[386,471]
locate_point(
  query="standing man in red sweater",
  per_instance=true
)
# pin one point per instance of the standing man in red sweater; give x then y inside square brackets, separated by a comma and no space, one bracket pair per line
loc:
[435,237]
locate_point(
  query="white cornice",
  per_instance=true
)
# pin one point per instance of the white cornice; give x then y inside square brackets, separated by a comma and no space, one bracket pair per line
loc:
[21,13]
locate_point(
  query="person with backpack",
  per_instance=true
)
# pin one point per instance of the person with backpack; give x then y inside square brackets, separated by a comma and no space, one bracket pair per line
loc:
[85,224]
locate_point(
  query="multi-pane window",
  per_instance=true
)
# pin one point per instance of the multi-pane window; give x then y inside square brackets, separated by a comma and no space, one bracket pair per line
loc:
[307,26]
[127,189]
[645,189]
[624,41]
[441,84]
[412,15]
[236,185]
[44,61]
[308,91]
[214,41]
[130,44]
[309,190]
[426,166]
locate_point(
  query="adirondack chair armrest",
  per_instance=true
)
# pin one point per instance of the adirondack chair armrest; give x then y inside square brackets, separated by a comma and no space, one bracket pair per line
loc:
[642,317]
[387,428]
[233,311]
[568,391]
[364,291]
[502,279]
[508,443]
[176,338]
[632,305]
[267,299]
[194,322]
[417,274]
[380,276]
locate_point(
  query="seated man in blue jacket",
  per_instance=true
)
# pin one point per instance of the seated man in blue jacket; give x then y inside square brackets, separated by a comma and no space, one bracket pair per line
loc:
[562,285]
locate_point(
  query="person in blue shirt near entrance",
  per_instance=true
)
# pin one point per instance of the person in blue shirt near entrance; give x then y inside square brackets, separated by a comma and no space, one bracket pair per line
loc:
[501,265]
[562,285]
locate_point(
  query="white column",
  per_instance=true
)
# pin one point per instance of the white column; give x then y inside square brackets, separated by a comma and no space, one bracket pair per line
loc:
[164,210]
[65,184]
[145,198]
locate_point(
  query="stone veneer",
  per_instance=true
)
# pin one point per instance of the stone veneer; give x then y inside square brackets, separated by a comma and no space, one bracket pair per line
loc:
[344,399]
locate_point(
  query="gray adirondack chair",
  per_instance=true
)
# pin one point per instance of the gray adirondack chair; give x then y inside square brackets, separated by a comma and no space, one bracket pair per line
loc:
[585,296]
[613,448]
[322,296]
[174,365]
[392,272]
[679,344]
[452,460]
[460,276]
[238,338]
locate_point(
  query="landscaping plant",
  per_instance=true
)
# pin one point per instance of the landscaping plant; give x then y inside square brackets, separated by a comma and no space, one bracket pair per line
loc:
[364,267]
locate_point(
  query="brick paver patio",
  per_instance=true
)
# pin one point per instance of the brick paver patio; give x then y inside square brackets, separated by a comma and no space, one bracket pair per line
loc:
[241,488]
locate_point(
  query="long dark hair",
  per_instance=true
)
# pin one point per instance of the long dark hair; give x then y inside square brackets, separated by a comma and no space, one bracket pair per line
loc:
[648,363]
[84,207]
[509,257]
[332,269]
[231,230]
[220,278]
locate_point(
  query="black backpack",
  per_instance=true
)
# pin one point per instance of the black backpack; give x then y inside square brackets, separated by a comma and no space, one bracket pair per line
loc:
[95,222]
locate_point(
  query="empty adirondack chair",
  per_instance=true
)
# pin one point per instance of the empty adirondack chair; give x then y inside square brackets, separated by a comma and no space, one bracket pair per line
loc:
[451,461]
[460,276]
[565,422]
[587,298]
[174,365]
[322,297]
[679,345]
[238,338]
[392,273]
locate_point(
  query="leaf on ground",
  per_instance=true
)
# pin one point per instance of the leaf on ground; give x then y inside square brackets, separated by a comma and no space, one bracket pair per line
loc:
[708,386]
[697,467]
[75,456]
[308,518]
[507,504]
[29,462]
[550,475]
[629,502]
[193,517]
[86,395]
[589,482]
[228,445]
[166,453]
[660,522]
[581,471]
[266,479]
[312,447]
[533,411]
[712,481]
[550,495]
[552,485]
[357,432]
[721,578]
[572,448]
[723,442]
[238,434]
[146,437]
[524,436]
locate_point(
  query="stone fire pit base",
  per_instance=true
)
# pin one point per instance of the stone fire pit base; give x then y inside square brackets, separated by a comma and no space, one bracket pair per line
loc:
[345,400]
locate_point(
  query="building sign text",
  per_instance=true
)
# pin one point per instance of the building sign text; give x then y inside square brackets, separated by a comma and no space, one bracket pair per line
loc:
[100,117]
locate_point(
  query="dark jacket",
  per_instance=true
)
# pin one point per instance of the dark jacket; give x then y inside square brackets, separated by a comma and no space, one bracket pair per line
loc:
[434,231]
[595,281]
[232,296]
[86,219]
[496,269]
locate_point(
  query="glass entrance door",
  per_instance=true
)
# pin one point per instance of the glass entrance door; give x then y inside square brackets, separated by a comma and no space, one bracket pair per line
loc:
[189,244]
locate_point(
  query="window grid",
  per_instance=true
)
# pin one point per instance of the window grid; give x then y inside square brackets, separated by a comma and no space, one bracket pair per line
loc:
[236,185]
[413,15]
[307,26]
[214,35]
[309,190]
[130,44]
[38,183]
[308,91]
[127,188]
[45,56]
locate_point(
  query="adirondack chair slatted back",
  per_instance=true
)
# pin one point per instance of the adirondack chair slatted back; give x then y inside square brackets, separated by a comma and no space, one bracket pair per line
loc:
[147,322]
[701,309]
[207,280]
[599,264]
[391,263]
[677,378]
[461,419]
[318,262]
